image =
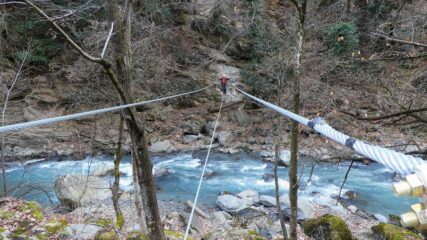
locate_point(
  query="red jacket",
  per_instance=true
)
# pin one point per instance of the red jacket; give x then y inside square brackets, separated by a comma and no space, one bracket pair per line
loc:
[224,81]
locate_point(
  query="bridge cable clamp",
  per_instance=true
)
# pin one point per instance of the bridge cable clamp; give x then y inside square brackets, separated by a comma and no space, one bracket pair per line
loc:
[317,120]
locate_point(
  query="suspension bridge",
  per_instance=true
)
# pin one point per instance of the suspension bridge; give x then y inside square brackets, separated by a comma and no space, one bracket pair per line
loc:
[396,161]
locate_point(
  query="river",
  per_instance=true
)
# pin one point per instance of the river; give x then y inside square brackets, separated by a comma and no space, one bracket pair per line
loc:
[231,173]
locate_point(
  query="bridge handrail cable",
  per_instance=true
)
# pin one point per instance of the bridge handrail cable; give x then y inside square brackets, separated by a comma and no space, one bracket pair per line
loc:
[19,126]
[396,161]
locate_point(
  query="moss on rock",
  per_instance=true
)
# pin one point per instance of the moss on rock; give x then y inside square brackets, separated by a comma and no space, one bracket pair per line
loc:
[35,209]
[6,215]
[233,234]
[136,236]
[107,236]
[42,236]
[120,221]
[174,235]
[327,227]
[54,226]
[102,222]
[392,232]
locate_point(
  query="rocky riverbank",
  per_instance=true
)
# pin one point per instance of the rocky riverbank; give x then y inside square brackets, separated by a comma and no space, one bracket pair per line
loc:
[242,127]
[87,213]
[246,215]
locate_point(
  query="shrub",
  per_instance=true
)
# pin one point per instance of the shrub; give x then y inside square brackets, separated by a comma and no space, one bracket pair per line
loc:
[343,38]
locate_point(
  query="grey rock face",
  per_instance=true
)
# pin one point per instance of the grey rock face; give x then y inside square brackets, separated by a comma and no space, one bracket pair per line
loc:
[225,138]
[162,146]
[81,231]
[230,203]
[78,190]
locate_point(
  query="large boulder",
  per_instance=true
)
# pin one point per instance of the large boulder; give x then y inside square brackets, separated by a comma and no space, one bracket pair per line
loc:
[303,204]
[162,146]
[286,211]
[284,157]
[391,232]
[268,177]
[381,218]
[189,139]
[81,231]
[250,196]
[267,201]
[266,154]
[208,128]
[225,138]
[160,172]
[191,128]
[327,227]
[77,190]
[230,203]
[221,219]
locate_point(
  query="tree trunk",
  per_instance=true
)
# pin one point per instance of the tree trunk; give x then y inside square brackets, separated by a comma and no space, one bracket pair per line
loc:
[138,199]
[276,188]
[115,188]
[293,167]
[348,7]
[144,167]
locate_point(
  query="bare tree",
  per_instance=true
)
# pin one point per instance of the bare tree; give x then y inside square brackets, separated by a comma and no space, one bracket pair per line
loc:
[8,86]
[120,75]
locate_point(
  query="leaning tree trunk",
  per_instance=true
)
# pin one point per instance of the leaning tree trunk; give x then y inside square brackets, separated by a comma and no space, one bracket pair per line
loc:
[144,167]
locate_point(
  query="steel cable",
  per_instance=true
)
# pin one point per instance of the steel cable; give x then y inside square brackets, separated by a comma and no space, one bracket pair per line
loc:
[399,162]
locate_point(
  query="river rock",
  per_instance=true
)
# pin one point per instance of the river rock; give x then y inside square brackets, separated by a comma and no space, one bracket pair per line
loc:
[327,227]
[268,177]
[230,203]
[162,146]
[225,138]
[174,221]
[161,172]
[388,231]
[81,231]
[324,200]
[284,157]
[221,220]
[267,201]
[76,189]
[381,218]
[304,204]
[265,154]
[352,195]
[189,139]
[352,208]
[250,196]
[286,211]
[208,128]
[191,128]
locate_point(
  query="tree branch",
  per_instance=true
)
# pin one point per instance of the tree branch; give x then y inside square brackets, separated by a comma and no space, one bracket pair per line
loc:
[408,112]
[65,35]
[400,41]
[12,2]
[106,41]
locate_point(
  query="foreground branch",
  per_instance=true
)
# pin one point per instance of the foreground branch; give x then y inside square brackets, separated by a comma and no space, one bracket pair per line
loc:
[399,40]
[407,112]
